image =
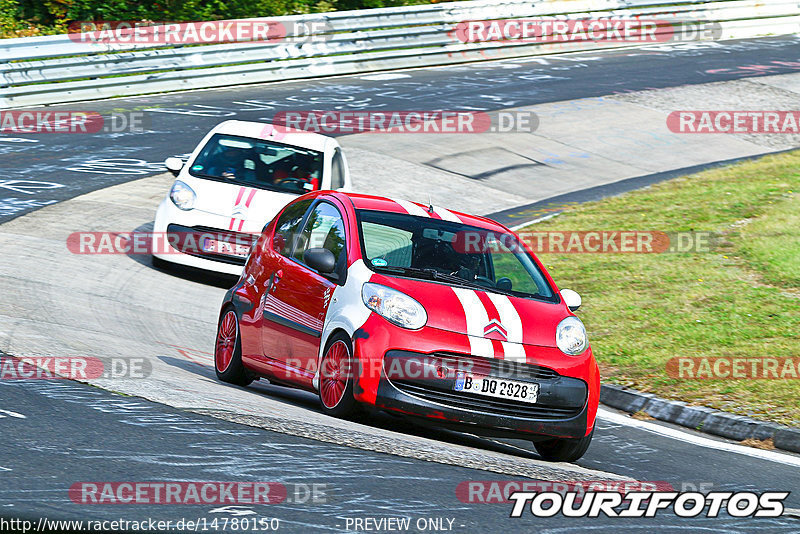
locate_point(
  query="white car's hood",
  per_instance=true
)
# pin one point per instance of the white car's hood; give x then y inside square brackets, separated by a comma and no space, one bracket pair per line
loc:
[247,208]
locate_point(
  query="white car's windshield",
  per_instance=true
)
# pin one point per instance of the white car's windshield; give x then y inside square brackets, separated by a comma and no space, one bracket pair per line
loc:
[450,252]
[259,163]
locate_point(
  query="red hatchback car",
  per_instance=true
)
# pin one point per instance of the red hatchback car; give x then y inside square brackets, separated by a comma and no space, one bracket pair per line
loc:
[416,310]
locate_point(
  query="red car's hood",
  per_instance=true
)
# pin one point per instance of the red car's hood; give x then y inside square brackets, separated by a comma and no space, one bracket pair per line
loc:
[483,313]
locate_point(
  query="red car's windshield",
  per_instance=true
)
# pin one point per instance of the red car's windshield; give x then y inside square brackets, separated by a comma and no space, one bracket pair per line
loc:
[450,252]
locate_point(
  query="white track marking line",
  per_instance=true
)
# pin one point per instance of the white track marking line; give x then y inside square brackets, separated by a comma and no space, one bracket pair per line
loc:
[674,433]
[387,76]
[532,221]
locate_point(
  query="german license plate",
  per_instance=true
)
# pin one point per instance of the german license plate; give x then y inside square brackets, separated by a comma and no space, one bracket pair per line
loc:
[499,388]
[222,247]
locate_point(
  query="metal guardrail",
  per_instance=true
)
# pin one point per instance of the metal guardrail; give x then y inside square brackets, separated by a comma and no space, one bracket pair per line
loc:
[63,68]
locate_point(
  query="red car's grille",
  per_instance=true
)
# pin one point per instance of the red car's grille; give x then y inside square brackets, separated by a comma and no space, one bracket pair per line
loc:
[469,401]
[488,366]
[560,397]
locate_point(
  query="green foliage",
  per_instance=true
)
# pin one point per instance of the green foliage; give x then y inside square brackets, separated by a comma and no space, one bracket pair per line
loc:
[32,17]
[9,15]
[25,18]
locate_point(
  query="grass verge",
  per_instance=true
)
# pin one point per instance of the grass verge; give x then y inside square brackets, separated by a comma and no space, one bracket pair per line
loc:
[741,300]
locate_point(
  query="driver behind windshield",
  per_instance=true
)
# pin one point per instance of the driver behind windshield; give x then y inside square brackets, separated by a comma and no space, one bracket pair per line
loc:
[440,255]
[259,164]
[282,170]
[228,164]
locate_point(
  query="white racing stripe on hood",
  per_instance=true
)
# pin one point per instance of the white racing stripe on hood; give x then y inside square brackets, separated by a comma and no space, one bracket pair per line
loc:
[513,349]
[476,318]
[514,352]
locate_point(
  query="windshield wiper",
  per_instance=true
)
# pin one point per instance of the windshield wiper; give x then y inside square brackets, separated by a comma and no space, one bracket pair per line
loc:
[427,273]
[212,176]
[433,274]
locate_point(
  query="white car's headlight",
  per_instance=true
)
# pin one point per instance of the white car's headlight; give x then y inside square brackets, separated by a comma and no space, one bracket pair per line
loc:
[571,336]
[394,306]
[182,195]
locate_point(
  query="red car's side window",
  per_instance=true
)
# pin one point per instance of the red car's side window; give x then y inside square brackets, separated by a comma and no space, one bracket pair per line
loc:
[287,228]
[324,229]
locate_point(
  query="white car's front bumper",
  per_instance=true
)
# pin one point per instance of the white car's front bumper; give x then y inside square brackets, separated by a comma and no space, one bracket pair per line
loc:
[167,214]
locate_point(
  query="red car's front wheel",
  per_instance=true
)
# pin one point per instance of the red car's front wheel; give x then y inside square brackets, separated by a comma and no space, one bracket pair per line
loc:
[336,378]
[228,351]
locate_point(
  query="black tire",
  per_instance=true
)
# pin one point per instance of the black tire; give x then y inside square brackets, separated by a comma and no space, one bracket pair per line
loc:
[228,350]
[563,449]
[345,404]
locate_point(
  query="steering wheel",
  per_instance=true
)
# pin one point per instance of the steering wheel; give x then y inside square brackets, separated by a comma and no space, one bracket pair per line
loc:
[292,180]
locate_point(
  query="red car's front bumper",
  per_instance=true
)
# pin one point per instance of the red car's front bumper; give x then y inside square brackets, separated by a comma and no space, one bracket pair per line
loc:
[413,373]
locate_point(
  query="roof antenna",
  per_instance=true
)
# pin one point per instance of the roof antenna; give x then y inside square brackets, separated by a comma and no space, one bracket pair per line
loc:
[430,204]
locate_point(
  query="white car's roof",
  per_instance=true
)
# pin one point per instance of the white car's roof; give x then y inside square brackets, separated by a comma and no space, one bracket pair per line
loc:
[265,130]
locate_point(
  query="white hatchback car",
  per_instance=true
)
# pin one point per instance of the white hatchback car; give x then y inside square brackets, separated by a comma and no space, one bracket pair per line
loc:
[235,181]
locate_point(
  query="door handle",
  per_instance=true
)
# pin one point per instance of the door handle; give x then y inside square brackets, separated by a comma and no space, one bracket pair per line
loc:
[276,277]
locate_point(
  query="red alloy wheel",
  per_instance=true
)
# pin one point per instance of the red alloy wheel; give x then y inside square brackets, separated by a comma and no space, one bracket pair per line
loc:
[226,341]
[334,374]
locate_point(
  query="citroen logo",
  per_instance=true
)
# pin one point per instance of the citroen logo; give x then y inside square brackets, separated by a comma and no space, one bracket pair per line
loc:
[495,330]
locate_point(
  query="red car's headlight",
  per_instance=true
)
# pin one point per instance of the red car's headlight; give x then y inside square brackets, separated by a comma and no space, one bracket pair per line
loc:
[394,306]
[571,336]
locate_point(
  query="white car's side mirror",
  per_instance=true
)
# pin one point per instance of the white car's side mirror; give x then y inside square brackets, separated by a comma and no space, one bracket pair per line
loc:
[571,299]
[174,165]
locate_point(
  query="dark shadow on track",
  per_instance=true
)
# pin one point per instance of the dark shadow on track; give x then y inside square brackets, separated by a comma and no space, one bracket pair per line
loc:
[188,365]
[374,418]
[192,274]
[395,423]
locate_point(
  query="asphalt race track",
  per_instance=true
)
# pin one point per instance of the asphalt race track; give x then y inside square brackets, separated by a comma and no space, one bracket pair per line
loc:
[131,439]
[68,165]
[179,424]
